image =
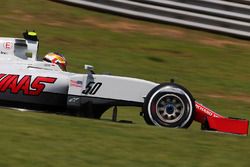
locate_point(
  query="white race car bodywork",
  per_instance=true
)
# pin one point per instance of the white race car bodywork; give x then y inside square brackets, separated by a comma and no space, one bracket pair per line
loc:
[113,87]
[19,64]
[26,82]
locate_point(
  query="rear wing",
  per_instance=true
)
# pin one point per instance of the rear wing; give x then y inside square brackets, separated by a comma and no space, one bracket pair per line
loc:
[19,48]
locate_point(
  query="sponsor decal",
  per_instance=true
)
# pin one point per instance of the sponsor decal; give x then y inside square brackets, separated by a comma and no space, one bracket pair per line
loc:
[74,83]
[207,111]
[7,45]
[74,100]
[203,109]
[24,84]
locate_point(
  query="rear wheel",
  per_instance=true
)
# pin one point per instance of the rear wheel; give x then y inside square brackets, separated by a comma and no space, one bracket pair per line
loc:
[169,105]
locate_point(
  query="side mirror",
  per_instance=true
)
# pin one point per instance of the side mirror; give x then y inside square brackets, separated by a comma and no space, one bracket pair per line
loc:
[89,68]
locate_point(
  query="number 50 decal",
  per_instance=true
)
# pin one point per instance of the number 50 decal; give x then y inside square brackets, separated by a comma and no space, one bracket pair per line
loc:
[92,88]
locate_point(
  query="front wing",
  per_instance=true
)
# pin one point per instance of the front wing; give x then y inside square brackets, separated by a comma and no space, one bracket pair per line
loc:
[212,121]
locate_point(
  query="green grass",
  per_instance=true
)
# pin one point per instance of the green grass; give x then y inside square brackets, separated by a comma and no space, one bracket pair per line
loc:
[207,64]
[35,139]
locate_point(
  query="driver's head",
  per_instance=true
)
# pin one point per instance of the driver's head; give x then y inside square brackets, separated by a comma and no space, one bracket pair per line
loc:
[56,58]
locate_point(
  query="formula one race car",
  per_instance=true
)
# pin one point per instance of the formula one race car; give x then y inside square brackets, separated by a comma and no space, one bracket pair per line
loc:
[28,83]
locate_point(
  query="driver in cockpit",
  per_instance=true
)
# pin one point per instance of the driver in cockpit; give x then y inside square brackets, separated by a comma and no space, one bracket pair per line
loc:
[56,58]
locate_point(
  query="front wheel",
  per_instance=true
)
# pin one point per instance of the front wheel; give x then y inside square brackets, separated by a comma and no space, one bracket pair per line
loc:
[169,105]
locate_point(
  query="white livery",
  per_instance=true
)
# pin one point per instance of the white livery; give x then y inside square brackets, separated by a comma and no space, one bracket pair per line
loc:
[27,82]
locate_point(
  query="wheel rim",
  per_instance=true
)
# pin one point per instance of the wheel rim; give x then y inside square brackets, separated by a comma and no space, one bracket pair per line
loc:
[170,108]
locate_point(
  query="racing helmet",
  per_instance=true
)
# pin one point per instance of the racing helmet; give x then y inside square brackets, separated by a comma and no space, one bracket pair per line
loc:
[56,58]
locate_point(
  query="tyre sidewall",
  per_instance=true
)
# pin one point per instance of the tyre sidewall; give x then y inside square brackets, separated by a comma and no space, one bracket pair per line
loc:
[155,94]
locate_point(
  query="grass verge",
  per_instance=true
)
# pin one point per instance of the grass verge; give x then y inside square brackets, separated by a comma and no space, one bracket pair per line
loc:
[214,68]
